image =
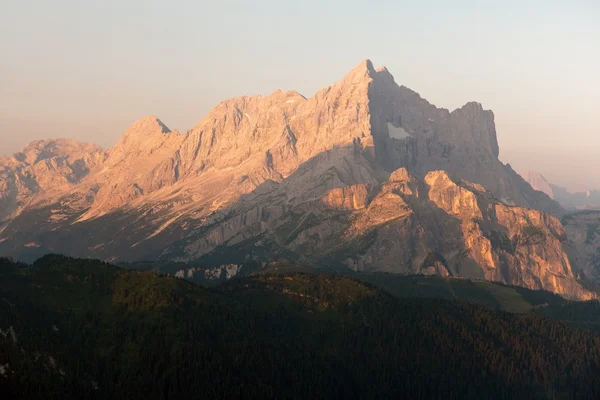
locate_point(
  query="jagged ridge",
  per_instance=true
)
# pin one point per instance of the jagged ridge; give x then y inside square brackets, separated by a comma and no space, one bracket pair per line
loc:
[258,166]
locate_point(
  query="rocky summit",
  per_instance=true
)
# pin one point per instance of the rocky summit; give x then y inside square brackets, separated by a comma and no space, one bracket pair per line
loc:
[365,175]
[538,182]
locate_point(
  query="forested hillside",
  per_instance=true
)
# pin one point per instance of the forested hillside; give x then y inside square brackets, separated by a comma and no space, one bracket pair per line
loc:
[75,328]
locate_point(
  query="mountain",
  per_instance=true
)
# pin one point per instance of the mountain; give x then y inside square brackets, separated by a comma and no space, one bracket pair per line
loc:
[585,200]
[539,183]
[570,200]
[43,171]
[84,329]
[364,174]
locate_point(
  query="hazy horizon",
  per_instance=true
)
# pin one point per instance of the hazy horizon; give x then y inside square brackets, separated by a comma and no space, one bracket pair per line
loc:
[87,71]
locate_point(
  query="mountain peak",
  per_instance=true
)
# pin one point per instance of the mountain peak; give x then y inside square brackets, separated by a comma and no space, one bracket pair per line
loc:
[539,183]
[385,75]
[142,138]
[535,174]
[366,65]
[149,122]
[364,70]
[143,130]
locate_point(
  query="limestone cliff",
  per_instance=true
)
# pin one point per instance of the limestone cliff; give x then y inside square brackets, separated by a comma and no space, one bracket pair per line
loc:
[462,142]
[404,225]
[478,237]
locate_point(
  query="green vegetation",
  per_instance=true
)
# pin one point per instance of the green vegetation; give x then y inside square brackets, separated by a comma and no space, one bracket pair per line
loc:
[85,329]
[489,294]
[500,240]
[531,230]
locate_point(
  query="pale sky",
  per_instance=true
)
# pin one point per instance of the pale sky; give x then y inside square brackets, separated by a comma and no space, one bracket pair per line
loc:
[86,70]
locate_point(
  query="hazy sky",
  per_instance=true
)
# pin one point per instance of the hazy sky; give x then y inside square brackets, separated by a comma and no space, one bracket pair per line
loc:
[86,70]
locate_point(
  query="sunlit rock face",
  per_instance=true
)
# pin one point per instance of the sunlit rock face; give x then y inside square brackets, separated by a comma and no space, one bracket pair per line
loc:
[365,174]
[439,226]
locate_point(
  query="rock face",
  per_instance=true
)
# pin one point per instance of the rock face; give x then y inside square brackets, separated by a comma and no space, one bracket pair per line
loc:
[473,235]
[434,226]
[140,163]
[583,231]
[365,174]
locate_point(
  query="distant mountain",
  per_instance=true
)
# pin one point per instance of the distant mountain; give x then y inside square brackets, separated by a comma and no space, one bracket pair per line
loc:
[73,329]
[366,174]
[42,172]
[539,183]
[585,200]
[582,200]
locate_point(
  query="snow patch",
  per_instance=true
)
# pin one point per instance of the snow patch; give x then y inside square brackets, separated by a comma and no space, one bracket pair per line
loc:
[4,369]
[397,133]
[290,101]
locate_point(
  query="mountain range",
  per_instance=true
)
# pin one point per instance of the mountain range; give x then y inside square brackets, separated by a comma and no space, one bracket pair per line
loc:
[570,200]
[365,175]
